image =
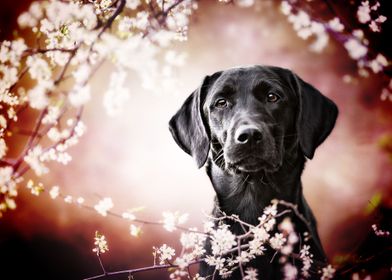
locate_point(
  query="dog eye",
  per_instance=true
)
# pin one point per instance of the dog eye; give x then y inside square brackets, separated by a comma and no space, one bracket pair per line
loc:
[272,97]
[220,103]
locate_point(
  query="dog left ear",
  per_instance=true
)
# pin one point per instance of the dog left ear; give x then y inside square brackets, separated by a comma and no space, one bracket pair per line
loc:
[317,117]
[188,126]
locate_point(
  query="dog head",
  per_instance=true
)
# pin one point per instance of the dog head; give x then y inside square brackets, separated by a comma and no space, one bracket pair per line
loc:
[251,118]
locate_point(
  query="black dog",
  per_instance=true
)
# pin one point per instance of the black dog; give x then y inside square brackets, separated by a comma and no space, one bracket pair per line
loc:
[254,126]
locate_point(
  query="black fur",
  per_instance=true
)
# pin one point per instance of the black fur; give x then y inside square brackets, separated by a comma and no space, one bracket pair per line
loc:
[254,146]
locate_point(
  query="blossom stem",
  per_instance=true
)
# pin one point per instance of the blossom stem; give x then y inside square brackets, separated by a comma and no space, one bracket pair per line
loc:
[31,140]
[64,70]
[136,270]
[101,263]
[296,212]
[239,259]
[116,13]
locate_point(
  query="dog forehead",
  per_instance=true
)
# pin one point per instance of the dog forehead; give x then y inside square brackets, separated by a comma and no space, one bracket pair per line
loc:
[247,78]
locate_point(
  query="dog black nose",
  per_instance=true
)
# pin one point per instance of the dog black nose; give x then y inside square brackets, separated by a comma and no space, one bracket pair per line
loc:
[247,133]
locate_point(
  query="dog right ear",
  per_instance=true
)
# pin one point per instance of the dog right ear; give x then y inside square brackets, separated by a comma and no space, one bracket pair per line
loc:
[316,119]
[189,127]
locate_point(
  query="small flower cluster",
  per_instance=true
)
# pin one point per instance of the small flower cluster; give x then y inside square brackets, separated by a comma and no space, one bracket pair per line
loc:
[172,220]
[328,272]
[8,191]
[386,93]
[306,258]
[37,156]
[306,27]
[73,39]
[354,41]
[101,245]
[164,253]
[380,232]
[104,205]
[229,252]
[364,15]
[35,189]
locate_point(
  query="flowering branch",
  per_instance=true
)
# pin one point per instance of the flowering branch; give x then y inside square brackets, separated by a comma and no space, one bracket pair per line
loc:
[74,46]
[229,252]
[358,47]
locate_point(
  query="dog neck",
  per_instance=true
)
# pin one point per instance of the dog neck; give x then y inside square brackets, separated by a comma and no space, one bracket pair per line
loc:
[247,195]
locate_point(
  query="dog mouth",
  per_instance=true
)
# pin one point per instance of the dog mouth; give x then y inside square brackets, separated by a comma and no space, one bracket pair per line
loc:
[251,165]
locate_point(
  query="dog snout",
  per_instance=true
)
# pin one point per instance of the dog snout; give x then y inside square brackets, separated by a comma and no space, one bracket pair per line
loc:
[248,134]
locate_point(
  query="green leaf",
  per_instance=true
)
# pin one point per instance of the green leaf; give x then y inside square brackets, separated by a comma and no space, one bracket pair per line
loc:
[374,202]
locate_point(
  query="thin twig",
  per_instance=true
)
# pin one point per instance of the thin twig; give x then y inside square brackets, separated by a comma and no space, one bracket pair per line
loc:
[137,270]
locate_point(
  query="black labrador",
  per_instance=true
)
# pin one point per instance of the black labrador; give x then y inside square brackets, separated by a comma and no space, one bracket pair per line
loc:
[254,126]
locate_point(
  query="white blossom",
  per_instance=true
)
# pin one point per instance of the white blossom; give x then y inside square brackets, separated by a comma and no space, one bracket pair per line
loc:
[104,205]
[38,98]
[35,189]
[375,25]
[336,25]
[216,261]
[116,95]
[9,77]
[251,274]
[38,68]
[245,3]
[198,277]
[135,230]
[80,200]
[81,74]
[192,239]
[225,273]
[128,216]
[355,49]
[306,27]
[33,159]
[285,7]
[54,192]
[101,245]
[171,220]
[5,176]
[307,261]
[184,261]
[79,96]
[244,257]
[125,24]
[277,241]
[260,233]
[222,240]
[3,122]
[328,272]
[165,253]
[51,116]
[3,148]
[141,20]
[286,226]
[30,18]
[290,272]
[68,199]
[132,4]
[104,4]
[363,12]
[321,35]
[378,64]
[208,226]
[256,247]
[380,232]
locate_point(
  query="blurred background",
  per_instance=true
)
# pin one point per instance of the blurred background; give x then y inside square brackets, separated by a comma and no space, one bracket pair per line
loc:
[133,159]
